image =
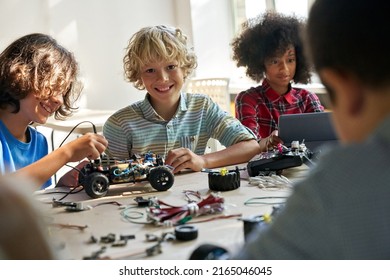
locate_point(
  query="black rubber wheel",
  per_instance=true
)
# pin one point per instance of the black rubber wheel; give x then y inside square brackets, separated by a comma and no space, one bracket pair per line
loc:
[96,185]
[186,232]
[161,178]
[222,183]
[209,252]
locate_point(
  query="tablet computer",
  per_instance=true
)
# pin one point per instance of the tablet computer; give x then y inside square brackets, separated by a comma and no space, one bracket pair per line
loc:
[314,129]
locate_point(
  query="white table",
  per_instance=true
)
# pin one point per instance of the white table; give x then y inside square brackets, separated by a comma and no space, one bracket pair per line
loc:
[104,219]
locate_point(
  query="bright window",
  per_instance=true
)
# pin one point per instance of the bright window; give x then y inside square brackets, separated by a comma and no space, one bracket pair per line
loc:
[298,7]
[254,7]
[245,9]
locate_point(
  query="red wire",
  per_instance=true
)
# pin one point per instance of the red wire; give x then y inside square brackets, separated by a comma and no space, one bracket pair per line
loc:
[210,204]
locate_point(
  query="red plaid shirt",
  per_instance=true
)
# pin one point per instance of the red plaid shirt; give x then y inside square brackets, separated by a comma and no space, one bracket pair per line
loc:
[259,108]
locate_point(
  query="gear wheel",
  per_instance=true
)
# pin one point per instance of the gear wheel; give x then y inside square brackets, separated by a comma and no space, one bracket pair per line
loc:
[224,180]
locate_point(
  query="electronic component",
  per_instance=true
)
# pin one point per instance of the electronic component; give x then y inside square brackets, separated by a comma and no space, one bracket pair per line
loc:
[77,207]
[277,160]
[142,202]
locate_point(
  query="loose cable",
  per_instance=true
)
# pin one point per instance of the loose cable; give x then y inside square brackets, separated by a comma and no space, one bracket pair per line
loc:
[71,131]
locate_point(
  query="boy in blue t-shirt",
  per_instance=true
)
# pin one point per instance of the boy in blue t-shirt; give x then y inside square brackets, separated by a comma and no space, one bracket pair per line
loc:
[38,78]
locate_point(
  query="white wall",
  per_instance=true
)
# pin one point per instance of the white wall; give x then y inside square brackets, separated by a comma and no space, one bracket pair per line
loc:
[97,31]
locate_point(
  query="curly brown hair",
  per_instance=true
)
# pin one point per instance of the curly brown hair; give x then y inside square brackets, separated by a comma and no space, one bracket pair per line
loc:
[268,35]
[156,43]
[37,64]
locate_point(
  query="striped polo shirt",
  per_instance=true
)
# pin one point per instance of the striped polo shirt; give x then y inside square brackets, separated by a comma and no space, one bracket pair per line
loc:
[138,129]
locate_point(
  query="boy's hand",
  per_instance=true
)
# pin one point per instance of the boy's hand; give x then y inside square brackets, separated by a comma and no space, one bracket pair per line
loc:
[90,146]
[183,158]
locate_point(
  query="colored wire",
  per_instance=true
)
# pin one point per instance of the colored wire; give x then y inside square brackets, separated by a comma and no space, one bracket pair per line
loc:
[259,200]
[69,226]
[177,215]
[215,218]
[130,215]
[189,193]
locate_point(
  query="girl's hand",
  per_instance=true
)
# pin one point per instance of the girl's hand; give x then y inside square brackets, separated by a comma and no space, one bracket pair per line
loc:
[273,140]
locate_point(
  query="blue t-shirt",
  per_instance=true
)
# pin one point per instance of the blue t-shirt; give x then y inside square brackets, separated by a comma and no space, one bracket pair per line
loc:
[16,154]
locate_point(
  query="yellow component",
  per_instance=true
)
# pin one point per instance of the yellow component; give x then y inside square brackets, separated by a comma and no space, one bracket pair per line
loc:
[224,171]
[267,218]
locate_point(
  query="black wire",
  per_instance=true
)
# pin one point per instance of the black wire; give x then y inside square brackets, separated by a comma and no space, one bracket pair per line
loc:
[72,191]
[73,188]
[75,168]
[70,132]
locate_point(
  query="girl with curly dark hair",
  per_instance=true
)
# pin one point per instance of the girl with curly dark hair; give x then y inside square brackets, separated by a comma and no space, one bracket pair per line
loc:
[271,50]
